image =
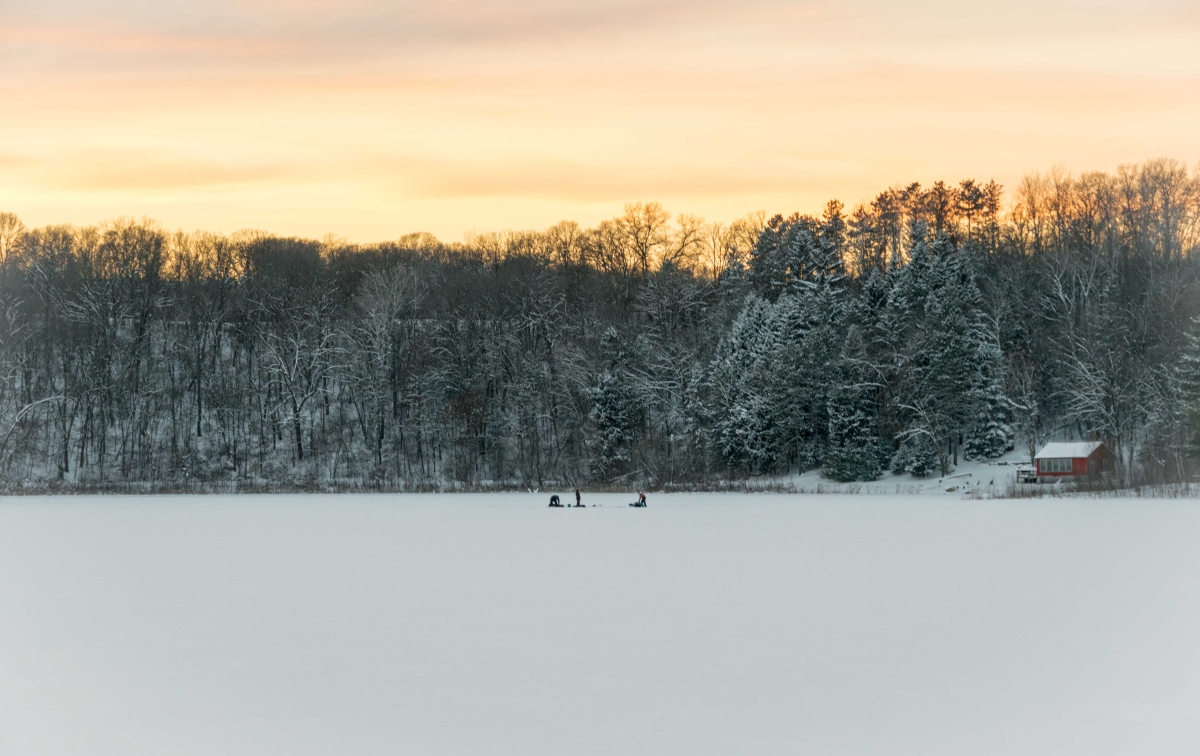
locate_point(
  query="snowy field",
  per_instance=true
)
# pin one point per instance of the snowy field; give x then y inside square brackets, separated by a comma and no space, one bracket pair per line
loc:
[704,624]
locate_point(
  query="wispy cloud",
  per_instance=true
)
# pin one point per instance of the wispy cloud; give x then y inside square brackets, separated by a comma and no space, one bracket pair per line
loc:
[138,171]
[586,182]
[347,32]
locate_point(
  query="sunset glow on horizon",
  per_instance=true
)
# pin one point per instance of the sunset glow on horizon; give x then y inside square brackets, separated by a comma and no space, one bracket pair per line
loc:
[370,120]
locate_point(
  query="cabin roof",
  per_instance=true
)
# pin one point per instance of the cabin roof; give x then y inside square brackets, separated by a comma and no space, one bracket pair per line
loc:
[1071,449]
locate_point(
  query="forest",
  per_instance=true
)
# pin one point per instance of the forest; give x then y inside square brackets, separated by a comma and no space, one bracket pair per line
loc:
[929,325]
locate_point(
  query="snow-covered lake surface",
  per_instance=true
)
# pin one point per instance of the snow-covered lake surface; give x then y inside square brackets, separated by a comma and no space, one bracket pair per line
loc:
[704,624]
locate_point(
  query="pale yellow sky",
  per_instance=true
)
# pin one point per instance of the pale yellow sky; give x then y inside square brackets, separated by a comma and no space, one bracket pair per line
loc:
[370,120]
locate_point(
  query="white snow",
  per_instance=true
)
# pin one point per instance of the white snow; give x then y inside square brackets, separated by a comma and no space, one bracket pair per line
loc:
[491,624]
[984,478]
[1067,449]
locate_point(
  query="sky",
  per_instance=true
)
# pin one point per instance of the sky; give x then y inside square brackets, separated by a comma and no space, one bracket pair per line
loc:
[370,119]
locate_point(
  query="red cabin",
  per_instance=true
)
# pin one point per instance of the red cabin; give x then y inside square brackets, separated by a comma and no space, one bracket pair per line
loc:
[1079,459]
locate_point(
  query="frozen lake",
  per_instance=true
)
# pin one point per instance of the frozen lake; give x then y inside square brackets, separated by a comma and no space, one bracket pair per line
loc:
[705,624]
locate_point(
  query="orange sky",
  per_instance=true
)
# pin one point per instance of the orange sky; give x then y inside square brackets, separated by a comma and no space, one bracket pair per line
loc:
[369,119]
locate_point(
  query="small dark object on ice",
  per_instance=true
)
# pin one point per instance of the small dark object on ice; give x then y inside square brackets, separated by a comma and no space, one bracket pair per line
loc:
[554,501]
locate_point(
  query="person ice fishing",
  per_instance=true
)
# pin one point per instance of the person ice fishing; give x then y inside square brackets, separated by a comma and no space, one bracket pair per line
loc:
[641,499]
[555,501]
[577,502]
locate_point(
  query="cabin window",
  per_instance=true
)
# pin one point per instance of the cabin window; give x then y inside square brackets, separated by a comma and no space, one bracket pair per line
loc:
[1056,465]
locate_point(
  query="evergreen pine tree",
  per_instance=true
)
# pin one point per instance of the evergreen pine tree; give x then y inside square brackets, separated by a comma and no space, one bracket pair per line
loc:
[947,366]
[744,433]
[854,448]
[916,456]
[613,417]
[614,412]
[1189,371]
[990,435]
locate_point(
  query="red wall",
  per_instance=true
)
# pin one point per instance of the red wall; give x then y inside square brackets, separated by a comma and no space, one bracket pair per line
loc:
[1079,465]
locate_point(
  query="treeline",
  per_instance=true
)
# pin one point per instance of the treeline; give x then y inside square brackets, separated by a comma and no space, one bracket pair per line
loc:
[930,325]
